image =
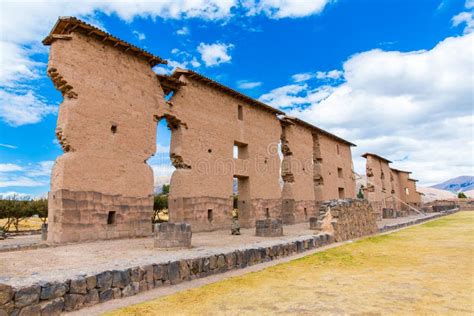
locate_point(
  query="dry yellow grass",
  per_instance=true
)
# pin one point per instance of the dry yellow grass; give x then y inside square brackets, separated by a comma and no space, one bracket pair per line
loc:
[32,223]
[422,270]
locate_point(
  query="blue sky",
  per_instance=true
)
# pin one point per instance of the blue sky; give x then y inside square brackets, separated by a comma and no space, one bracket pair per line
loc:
[395,77]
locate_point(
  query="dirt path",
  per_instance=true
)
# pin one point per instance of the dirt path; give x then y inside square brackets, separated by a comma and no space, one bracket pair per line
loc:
[425,269]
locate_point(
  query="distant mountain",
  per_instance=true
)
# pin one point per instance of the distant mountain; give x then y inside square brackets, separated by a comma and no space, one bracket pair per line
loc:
[462,183]
[432,194]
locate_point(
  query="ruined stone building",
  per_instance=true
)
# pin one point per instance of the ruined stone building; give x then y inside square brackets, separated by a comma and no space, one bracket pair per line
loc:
[388,187]
[102,186]
[230,136]
[317,166]
[223,135]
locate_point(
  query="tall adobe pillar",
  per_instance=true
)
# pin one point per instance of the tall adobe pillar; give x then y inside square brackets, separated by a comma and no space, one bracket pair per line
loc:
[102,187]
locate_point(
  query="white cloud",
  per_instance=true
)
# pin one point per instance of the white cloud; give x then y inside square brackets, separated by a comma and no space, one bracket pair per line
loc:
[8,146]
[21,109]
[29,175]
[139,35]
[245,84]
[333,74]
[469,4]
[464,18]
[278,9]
[215,54]
[302,77]
[320,75]
[9,167]
[18,44]
[417,105]
[286,96]
[183,31]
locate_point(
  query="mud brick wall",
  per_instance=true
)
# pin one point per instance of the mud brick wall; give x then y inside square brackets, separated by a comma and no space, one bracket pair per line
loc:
[212,122]
[172,235]
[107,129]
[48,298]
[269,228]
[347,219]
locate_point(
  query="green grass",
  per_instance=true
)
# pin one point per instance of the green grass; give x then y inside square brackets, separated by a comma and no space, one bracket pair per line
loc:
[425,269]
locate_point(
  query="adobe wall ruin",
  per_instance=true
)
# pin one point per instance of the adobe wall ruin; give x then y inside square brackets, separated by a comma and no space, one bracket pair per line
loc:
[101,187]
[389,188]
[215,123]
[317,166]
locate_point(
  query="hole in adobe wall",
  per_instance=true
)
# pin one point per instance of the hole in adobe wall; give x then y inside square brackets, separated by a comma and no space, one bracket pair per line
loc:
[267,212]
[209,150]
[209,215]
[113,128]
[111,218]
[305,214]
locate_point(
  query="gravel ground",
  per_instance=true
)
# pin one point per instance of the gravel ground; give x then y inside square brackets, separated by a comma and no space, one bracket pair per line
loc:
[23,267]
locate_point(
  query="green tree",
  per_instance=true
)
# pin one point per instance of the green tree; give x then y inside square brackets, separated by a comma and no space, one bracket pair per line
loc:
[360,195]
[461,195]
[40,208]
[165,189]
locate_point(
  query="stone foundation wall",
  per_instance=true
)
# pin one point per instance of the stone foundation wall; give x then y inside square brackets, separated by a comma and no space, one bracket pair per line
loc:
[269,228]
[203,213]
[58,297]
[82,216]
[347,219]
[172,235]
[293,212]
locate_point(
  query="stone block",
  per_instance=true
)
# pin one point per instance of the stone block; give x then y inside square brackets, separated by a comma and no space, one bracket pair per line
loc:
[53,290]
[121,279]
[44,231]
[104,280]
[116,293]
[31,310]
[173,272]
[6,293]
[91,282]
[53,307]
[313,223]
[172,235]
[78,286]
[269,228]
[92,297]
[73,301]
[137,274]
[106,295]
[131,289]
[160,272]
[27,296]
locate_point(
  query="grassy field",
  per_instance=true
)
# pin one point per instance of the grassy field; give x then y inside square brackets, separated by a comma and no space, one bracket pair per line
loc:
[32,223]
[423,270]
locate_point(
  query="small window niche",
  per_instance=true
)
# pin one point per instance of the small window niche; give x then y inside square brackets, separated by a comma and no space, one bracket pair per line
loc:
[210,216]
[341,192]
[111,218]
[340,173]
[267,212]
[337,149]
[305,213]
[240,112]
[113,128]
[240,151]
